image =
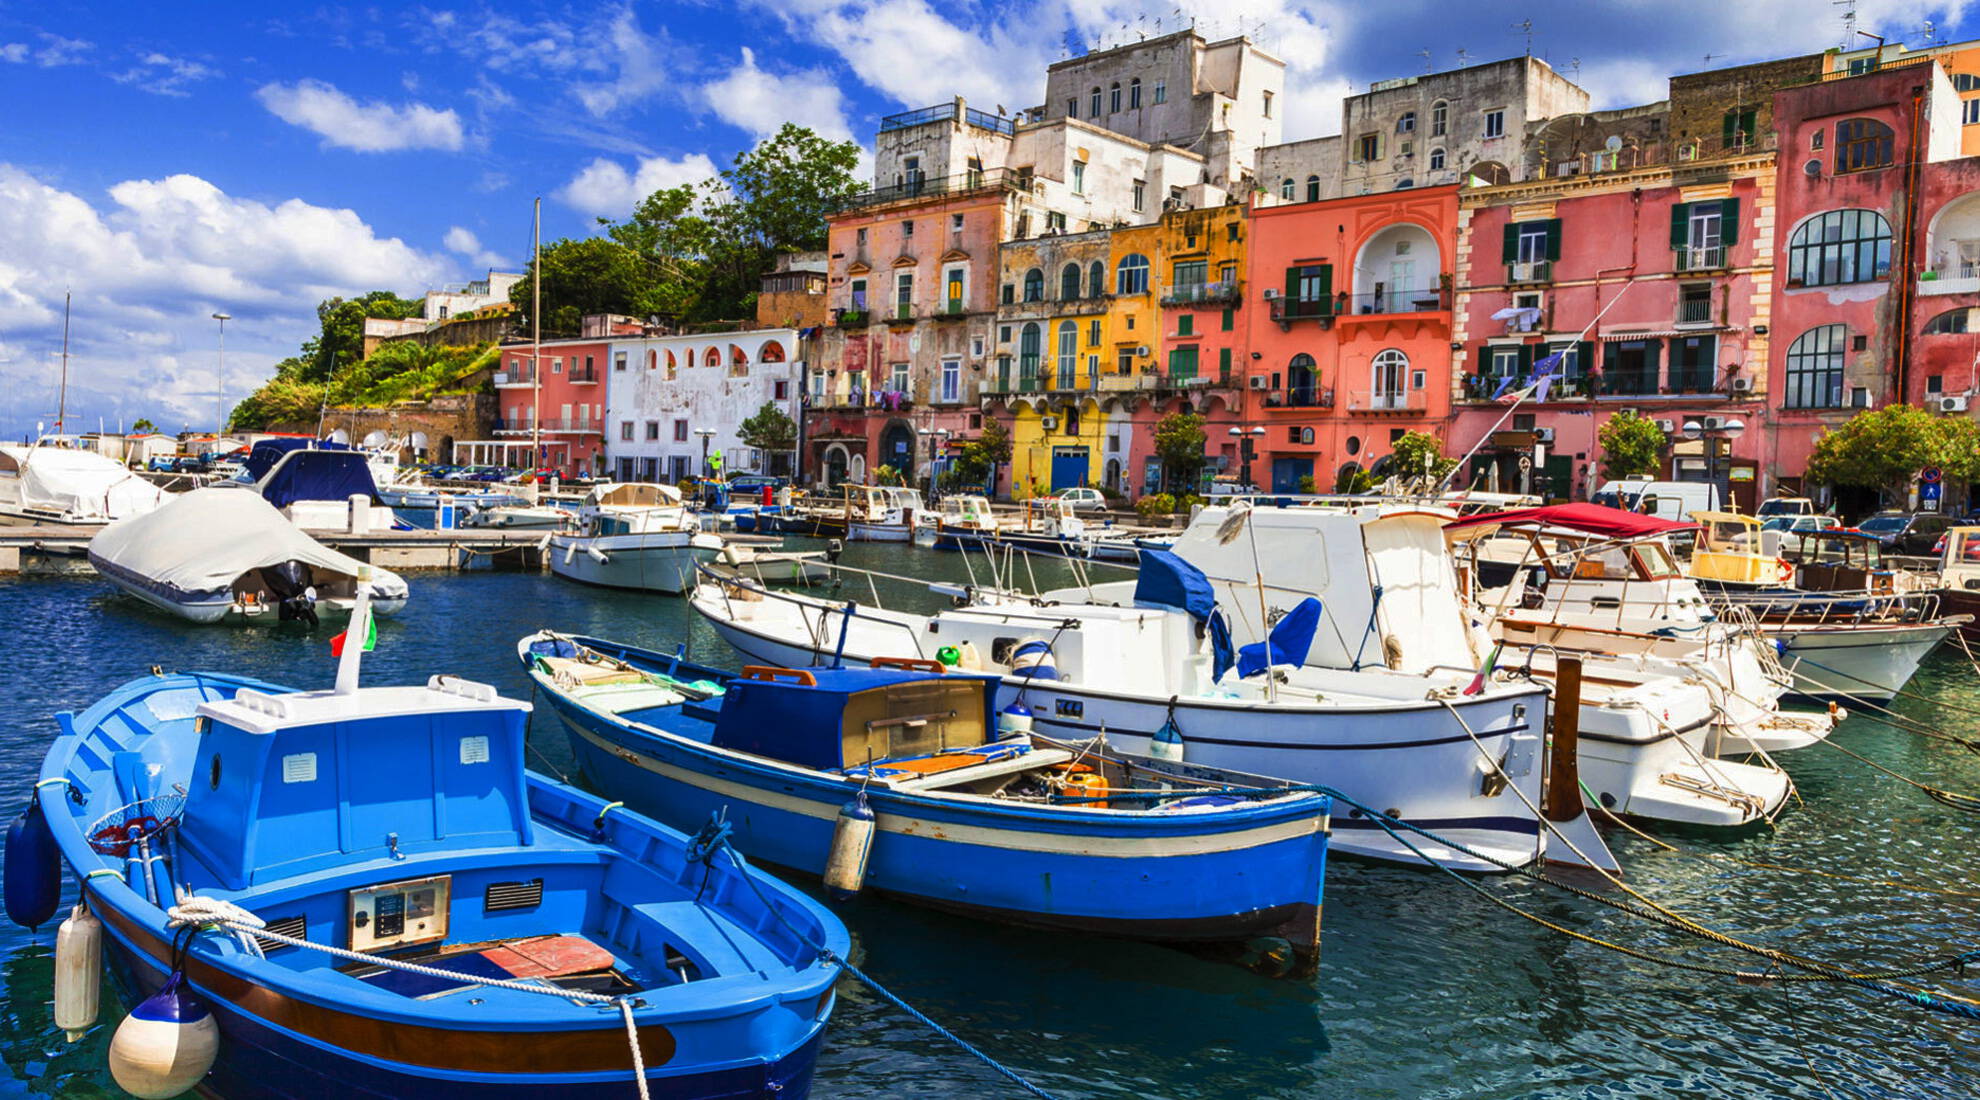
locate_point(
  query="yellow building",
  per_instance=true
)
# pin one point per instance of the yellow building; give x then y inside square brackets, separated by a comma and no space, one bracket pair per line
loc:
[1052,343]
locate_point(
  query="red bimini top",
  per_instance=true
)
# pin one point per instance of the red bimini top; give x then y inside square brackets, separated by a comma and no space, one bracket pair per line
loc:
[1592,519]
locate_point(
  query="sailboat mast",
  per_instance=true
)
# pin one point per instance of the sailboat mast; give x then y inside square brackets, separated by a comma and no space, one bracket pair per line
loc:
[536,340]
[62,399]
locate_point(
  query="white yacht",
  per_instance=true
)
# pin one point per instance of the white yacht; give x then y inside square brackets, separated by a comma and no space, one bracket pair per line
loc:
[52,485]
[634,535]
[881,513]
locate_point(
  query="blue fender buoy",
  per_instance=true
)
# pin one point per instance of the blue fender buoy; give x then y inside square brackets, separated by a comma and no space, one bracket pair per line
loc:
[1014,721]
[34,868]
[166,1045]
[1167,744]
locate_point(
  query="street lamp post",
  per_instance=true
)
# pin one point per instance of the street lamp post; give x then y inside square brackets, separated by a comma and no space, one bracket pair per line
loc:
[1710,436]
[1247,450]
[220,378]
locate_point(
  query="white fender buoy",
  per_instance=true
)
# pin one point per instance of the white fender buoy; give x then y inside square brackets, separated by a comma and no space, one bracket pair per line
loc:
[852,843]
[597,555]
[1167,744]
[1013,722]
[78,971]
[166,1045]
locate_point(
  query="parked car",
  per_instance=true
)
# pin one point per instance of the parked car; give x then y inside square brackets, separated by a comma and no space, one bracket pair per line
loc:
[1084,498]
[1786,506]
[1907,532]
[1672,500]
[1790,527]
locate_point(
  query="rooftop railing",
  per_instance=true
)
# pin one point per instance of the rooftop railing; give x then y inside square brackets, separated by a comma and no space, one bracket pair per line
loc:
[946,112]
[924,187]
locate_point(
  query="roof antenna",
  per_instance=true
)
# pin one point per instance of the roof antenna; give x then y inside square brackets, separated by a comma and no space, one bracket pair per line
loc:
[1464,57]
[1574,69]
[1849,21]
[1428,66]
[1525,27]
[1711,57]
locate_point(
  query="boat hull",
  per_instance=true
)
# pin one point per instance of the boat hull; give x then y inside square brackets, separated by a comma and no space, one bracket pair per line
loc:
[663,562]
[220,605]
[1854,661]
[1416,760]
[862,531]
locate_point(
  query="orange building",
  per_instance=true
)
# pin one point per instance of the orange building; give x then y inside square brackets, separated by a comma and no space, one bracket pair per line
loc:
[1351,344]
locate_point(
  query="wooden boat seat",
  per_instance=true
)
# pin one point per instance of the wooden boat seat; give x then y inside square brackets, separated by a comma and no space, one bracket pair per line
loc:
[986,769]
[620,696]
[913,768]
[541,957]
[588,674]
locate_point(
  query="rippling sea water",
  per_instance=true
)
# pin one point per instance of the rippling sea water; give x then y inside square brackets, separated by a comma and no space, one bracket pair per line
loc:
[1426,989]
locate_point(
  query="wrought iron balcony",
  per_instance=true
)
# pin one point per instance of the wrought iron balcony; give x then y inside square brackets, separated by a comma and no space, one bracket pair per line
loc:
[1701,259]
[1189,294]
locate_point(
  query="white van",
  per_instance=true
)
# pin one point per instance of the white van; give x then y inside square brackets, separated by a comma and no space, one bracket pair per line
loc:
[1672,500]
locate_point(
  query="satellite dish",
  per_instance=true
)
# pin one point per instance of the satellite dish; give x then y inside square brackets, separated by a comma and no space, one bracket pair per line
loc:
[1813,167]
[339,436]
[1614,144]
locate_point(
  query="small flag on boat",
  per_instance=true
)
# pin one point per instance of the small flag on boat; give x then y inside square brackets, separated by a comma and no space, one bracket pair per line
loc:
[1485,673]
[370,638]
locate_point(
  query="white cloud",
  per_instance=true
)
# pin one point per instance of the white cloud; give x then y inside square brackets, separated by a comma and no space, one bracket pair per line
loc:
[372,127]
[760,102]
[163,75]
[908,51]
[637,62]
[461,239]
[148,266]
[605,188]
[55,51]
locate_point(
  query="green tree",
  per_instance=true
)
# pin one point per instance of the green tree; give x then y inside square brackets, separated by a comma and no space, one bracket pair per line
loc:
[770,430]
[1179,443]
[774,199]
[1631,445]
[1420,456]
[143,425]
[340,338]
[975,460]
[591,275]
[1883,449]
[669,232]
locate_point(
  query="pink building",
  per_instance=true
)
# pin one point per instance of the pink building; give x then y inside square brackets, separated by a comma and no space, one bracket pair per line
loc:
[1352,345]
[1652,281]
[560,392]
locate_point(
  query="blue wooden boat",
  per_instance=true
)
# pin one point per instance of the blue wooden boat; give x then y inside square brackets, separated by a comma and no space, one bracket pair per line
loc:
[399,825]
[899,778]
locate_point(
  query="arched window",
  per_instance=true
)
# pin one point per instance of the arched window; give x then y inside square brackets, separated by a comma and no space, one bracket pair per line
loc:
[1068,352]
[1951,322]
[712,358]
[1437,159]
[1034,285]
[1096,278]
[1134,93]
[1288,188]
[1114,96]
[1390,385]
[1131,274]
[1440,118]
[1815,368]
[1313,189]
[773,352]
[1301,381]
[1069,282]
[1093,110]
[653,358]
[1840,246]
[1862,144]
[1029,340]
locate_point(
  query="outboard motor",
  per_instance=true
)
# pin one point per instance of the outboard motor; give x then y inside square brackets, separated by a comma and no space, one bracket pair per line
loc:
[289,582]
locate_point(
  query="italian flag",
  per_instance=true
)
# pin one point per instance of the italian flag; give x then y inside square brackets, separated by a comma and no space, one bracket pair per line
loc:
[1477,682]
[370,638]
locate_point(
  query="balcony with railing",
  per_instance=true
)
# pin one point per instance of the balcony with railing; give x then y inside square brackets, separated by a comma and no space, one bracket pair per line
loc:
[1288,310]
[1484,388]
[1386,302]
[854,318]
[1711,258]
[1396,401]
[946,112]
[1298,397]
[526,426]
[584,377]
[514,378]
[1695,311]
[1533,271]
[1193,294]
[1956,271]
[919,187]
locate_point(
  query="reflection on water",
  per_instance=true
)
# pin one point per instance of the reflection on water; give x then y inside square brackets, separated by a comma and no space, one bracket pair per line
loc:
[1425,989]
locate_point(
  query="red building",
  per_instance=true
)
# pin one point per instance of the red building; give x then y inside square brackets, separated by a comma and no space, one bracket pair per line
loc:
[556,397]
[1879,235]
[1352,346]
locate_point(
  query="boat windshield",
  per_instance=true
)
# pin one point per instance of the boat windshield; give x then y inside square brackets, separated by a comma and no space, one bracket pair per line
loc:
[1656,560]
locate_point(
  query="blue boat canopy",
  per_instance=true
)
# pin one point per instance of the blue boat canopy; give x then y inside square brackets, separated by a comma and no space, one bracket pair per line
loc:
[268,452]
[320,475]
[1168,581]
[1291,638]
[832,719]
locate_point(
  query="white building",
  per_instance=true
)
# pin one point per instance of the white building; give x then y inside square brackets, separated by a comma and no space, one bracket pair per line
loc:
[462,298]
[664,392]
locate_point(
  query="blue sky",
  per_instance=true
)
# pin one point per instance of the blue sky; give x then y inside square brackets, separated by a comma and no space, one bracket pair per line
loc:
[167,161]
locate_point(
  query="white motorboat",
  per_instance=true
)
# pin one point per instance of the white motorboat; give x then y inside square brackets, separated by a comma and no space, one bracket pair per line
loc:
[320,485]
[521,517]
[50,485]
[1644,730]
[1147,663]
[219,553]
[964,522]
[881,513]
[635,535]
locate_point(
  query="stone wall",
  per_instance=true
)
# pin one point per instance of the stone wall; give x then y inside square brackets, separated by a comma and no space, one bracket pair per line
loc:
[443,420]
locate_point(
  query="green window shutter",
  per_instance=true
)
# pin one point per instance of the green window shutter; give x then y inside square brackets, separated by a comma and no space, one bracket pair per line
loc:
[1726,131]
[1680,224]
[1186,325]
[1584,358]
[1729,220]
[1327,286]
[1511,251]
[1292,284]
[1526,359]
[1553,238]
[1224,362]
[1230,318]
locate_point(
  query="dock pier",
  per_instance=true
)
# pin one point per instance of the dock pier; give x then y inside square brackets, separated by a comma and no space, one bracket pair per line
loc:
[64,551]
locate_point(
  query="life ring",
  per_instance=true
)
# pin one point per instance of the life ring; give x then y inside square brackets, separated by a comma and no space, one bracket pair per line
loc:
[1786,570]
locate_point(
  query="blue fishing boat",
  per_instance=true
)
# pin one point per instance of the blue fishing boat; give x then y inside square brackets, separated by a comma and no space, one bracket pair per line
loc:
[363,892]
[904,778]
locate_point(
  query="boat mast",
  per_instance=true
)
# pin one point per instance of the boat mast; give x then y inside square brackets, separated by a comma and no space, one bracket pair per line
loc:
[536,340]
[62,399]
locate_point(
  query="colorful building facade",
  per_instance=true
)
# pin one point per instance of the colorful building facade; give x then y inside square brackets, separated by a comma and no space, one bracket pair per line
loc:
[552,396]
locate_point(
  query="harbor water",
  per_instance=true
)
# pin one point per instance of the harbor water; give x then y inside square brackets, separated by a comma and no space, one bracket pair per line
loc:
[1427,988]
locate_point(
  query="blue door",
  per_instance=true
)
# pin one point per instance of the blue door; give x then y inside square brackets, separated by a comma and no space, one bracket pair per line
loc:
[1286,473]
[1068,467]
